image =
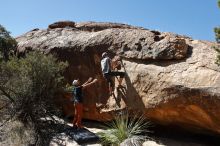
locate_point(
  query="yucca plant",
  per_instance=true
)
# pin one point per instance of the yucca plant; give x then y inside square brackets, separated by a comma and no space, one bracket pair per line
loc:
[131,129]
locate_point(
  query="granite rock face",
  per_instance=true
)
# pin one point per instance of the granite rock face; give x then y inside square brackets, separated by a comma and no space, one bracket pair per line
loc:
[172,79]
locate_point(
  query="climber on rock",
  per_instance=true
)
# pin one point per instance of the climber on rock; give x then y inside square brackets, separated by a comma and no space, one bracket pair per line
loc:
[108,70]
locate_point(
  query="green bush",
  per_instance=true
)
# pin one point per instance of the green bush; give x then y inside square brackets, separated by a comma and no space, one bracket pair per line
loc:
[217,61]
[217,37]
[30,85]
[125,128]
[217,34]
[7,44]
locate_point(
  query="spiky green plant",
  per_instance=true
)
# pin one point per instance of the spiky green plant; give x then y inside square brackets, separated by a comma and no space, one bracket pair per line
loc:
[125,127]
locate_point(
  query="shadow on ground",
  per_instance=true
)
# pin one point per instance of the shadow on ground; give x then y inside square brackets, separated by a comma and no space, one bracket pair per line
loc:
[75,136]
[166,135]
[175,136]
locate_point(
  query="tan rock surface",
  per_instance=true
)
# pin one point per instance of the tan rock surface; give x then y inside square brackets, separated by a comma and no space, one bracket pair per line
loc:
[171,78]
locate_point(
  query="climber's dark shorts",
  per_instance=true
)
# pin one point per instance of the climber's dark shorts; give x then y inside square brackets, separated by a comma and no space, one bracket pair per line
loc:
[108,77]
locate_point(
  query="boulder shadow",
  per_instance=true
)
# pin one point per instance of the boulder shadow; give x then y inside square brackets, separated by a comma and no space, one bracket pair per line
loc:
[129,94]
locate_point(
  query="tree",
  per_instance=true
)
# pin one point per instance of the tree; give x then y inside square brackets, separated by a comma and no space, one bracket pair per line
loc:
[7,44]
[217,29]
[31,84]
[217,37]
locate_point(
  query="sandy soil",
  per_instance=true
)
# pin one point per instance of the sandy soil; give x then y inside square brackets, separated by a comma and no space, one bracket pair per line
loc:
[160,136]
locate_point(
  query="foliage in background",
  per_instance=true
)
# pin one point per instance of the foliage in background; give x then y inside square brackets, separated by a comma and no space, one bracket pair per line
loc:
[217,37]
[7,44]
[30,85]
[217,61]
[68,88]
[124,128]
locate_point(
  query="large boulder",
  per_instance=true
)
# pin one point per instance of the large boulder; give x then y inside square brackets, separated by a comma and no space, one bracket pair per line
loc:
[172,79]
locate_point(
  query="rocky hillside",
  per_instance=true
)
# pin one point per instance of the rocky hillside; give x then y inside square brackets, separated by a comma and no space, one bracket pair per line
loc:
[172,79]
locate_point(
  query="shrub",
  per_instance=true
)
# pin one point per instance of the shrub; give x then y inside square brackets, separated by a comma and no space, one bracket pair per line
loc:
[7,44]
[30,85]
[217,37]
[217,61]
[14,133]
[123,129]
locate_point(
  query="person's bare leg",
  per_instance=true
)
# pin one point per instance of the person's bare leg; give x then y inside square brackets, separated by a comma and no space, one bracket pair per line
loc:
[110,90]
[120,81]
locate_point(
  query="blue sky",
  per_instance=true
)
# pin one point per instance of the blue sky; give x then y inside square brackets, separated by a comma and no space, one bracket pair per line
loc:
[194,18]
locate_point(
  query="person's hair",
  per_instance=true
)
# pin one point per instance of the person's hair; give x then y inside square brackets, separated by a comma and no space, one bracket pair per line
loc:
[104,54]
[75,82]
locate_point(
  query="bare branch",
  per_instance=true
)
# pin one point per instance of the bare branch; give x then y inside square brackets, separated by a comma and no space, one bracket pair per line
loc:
[6,94]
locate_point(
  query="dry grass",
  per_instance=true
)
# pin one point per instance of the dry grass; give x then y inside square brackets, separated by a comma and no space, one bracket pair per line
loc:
[14,133]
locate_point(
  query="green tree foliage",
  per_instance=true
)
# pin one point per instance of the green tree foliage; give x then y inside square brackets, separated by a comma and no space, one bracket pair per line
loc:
[30,86]
[217,34]
[7,44]
[217,61]
[217,37]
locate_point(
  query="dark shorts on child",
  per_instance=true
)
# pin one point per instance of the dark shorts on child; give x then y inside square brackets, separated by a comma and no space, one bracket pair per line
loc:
[77,94]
